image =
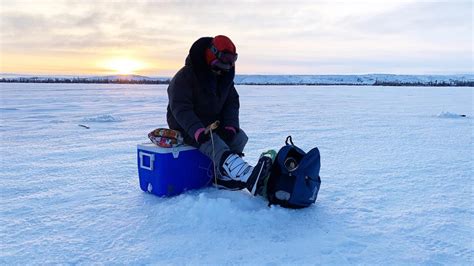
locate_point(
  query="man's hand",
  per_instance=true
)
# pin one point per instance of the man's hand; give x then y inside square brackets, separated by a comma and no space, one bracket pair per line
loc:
[200,136]
[227,133]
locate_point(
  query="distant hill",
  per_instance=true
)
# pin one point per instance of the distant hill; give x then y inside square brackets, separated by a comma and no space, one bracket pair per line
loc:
[367,79]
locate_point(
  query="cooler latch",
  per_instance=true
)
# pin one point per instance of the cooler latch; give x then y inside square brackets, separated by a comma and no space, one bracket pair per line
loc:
[175,152]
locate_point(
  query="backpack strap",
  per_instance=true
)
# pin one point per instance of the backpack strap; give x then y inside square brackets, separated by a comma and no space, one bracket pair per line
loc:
[289,138]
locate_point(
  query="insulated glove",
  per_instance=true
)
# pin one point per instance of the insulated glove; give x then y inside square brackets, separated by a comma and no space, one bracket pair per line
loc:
[200,136]
[227,133]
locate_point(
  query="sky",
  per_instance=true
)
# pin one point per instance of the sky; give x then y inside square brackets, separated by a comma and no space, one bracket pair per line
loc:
[97,37]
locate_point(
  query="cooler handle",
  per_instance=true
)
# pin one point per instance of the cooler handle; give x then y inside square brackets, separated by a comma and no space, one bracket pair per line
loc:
[152,159]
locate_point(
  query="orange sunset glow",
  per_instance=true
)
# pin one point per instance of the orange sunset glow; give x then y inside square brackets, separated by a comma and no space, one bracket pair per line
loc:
[124,66]
[311,37]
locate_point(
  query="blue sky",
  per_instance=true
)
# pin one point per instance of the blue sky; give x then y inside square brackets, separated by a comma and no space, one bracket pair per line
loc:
[272,37]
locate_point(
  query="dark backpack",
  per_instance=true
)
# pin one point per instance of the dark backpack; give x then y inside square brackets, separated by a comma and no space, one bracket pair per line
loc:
[294,180]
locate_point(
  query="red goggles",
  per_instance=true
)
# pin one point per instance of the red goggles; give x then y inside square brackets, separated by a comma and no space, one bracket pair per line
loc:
[227,58]
[224,57]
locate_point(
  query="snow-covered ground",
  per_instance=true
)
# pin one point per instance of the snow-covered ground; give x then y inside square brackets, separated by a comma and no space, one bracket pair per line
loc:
[397,179]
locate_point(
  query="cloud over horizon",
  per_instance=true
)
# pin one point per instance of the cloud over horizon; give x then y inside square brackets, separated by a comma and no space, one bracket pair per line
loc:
[272,37]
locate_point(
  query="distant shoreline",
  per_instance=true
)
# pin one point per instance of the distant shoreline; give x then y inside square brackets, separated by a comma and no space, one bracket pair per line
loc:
[393,84]
[466,80]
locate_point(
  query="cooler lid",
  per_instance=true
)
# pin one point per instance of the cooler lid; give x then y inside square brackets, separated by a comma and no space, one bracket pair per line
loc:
[151,147]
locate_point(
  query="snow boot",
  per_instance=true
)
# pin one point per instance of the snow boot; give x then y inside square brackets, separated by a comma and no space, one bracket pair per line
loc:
[237,169]
[227,183]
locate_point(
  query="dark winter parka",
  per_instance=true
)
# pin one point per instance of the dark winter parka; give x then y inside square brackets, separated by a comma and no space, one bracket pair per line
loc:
[198,97]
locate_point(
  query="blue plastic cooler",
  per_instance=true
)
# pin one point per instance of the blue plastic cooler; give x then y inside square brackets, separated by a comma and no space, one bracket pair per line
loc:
[170,171]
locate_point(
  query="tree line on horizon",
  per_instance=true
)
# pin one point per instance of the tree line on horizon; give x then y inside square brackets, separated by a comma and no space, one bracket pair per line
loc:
[83,80]
[435,83]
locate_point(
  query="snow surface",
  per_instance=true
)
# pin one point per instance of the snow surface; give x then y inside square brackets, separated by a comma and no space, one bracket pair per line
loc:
[450,115]
[397,181]
[102,118]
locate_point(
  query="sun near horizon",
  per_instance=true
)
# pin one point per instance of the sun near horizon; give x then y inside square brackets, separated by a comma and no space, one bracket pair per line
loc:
[99,64]
[313,37]
[123,65]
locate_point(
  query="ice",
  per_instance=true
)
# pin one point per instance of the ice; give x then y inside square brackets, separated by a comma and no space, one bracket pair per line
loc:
[397,181]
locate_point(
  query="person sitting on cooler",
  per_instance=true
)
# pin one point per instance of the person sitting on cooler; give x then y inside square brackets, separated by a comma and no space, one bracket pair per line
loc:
[202,92]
